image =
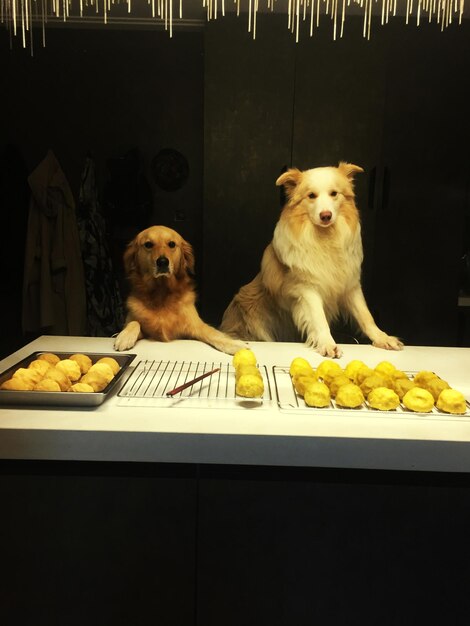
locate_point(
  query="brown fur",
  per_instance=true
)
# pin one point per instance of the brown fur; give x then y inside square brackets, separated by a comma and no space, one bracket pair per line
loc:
[161,304]
[310,272]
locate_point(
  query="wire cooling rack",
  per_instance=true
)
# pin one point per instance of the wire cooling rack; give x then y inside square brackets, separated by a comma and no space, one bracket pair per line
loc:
[289,400]
[152,380]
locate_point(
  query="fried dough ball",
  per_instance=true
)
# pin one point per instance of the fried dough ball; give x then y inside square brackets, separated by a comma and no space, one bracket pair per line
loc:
[398,374]
[83,360]
[103,369]
[81,388]
[58,375]
[317,395]
[402,385]
[385,367]
[95,379]
[374,381]
[352,368]
[245,355]
[421,378]
[302,383]
[249,386]
[246,369]
[451,401]
[47,384]
[435,386]
[383,399]
[41,365]
[17,384]
[113,364]
[328,369]
[350,396]
[301,366]
[362,373]
[337,382]
[50,357]
[419,400]
[70,368]
[31,376]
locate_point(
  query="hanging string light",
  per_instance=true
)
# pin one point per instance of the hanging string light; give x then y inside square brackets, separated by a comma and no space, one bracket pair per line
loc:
[18,16]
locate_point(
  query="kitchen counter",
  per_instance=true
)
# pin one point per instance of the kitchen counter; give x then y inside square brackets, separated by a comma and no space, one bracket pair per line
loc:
[239,435]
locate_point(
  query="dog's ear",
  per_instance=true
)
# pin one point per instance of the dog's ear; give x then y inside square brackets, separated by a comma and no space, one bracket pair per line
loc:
[289,180]
[188,257]
[349,170]
[129,258]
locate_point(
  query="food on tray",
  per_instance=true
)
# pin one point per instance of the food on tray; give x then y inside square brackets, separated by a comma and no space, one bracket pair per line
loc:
[70,368]
[246,369]
[337,382]
[317,395]
[301,366]
[374,381]
[352,367]
[419,400]
[301,383]
[383,398]
[435,386]
[47,384]
[362,373]
[31,376]
[250,386]
[81,388]
[423,377]
[95,379]
[349,396]
[59,376]
[103,369]
[328,369]
[402,385]
[84,361]
[113,364]
[41,365]
[50,357]
[397,375]
[244,356]
[451,401]
[17,384]
[385,367]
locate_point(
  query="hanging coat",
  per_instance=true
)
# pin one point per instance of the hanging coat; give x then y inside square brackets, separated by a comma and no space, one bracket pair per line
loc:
[54,299]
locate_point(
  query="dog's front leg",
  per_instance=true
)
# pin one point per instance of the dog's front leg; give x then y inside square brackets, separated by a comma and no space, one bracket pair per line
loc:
[357,306]
[128,337]
[309,317]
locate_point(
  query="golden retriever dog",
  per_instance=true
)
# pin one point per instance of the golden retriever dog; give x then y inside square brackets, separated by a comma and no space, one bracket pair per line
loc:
[159,264]
[310,272]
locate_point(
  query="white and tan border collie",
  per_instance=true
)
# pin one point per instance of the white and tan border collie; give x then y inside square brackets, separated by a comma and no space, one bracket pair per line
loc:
[311,271]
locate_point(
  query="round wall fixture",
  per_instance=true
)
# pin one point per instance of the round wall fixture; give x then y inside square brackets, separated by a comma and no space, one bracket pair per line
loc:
[170,169]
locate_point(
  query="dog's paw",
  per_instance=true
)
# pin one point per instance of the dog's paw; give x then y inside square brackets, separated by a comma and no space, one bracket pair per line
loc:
[230,346]
[387,342]
[331,350]
[124,341]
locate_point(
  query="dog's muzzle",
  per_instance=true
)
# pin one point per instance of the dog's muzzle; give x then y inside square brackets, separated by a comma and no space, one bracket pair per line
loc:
[162,265]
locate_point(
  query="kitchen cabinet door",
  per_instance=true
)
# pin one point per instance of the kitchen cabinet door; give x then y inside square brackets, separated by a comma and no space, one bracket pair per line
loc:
[422,180]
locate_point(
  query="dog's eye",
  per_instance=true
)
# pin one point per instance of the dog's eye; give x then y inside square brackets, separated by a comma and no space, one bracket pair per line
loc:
[148,244]
[312,195]
[334,193]
[171,244]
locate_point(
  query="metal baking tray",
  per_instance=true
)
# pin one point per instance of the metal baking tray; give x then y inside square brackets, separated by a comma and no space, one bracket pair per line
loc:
[62,398]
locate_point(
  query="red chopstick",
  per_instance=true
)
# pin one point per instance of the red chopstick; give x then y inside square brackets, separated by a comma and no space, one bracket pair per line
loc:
[191,382]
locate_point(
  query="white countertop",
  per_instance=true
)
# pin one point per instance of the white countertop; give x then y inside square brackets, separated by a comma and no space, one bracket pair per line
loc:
[264,435]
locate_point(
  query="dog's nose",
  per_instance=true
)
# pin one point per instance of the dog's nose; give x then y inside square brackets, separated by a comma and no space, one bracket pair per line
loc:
[162,264]
[326,216]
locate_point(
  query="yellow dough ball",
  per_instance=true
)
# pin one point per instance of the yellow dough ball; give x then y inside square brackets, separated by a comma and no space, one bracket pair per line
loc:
[374,381]
[58,375]
[383,399]
[452,401]
[300,366]
[384,367]
[31,376]
[50,357]
[103,369]
[352,368]
[328,369]
[421,378]
[397,375]
[362,373]
[350,396]
[81,388]
[435,386]
[247,369]
[83,360]
[244,356]
[17,384]
[302,383]
[402,385]
[95,379]
[47,384]
[249,386]
[317,395]
[113,364]
[70,368]
[337,382]
[419,400]
[40,365]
